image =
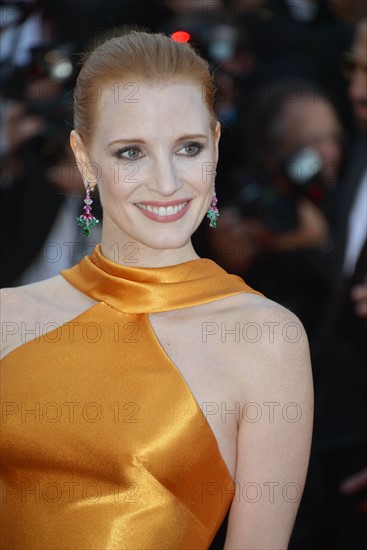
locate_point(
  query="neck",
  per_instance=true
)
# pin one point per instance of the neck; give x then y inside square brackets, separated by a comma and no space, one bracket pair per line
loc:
[125,251]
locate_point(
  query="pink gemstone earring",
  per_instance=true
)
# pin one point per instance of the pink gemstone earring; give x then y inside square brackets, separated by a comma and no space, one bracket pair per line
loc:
[213,212]
[87,220]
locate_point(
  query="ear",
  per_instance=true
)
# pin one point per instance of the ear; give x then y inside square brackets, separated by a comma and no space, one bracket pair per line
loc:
[82,158]
[216,140]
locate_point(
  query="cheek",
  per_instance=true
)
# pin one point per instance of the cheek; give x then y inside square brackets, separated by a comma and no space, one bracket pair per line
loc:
[124,177]
[201,177]
[117,180]
[202,170]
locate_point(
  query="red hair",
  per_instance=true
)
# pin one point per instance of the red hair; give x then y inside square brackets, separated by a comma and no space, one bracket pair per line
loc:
[142,56]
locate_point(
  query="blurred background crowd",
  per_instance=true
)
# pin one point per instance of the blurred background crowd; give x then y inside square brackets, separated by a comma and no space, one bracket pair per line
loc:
[291,186]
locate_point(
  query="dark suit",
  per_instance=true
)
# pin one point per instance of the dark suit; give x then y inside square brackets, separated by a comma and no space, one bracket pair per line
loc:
[327,519]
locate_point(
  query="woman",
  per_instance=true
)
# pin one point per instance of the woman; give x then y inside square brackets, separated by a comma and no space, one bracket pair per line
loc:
[158,392]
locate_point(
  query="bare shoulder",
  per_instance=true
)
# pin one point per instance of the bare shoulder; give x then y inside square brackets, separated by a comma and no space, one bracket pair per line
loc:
[271,369]
[255,316]
[267,346]
[36,306]
[51,294]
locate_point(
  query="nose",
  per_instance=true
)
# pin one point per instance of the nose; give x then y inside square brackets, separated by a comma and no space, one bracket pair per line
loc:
[164,178]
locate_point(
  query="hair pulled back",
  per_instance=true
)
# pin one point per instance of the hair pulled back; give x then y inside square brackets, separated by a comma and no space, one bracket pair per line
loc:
[141,56]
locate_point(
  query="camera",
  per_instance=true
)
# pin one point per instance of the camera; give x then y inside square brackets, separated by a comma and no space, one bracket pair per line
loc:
[277,208]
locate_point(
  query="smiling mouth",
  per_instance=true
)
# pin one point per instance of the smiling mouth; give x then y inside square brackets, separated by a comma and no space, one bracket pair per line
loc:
[162,210]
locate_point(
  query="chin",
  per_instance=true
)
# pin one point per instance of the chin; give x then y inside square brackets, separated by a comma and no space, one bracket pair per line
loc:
[166,241]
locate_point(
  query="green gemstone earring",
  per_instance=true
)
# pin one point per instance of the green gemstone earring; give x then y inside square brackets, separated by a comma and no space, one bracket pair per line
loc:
[87,220]
[213,212]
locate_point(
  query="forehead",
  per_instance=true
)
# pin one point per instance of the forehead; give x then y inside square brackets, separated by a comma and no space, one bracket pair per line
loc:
[148,108]
[309,108]
[311,116]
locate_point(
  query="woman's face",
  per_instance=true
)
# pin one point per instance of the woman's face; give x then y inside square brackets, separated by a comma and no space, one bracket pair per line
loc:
[153,155]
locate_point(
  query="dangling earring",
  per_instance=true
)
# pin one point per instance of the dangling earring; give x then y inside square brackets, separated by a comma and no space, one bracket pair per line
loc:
[213,212]
[87,220]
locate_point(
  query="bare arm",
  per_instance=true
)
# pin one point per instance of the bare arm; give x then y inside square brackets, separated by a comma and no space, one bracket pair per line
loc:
[274,438]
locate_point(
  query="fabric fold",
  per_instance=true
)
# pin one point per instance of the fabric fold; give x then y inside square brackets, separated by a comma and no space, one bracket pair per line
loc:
[104,445]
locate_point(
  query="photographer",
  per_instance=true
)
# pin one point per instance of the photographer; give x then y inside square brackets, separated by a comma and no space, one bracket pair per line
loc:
[333,511]
[41,190]
[275,228]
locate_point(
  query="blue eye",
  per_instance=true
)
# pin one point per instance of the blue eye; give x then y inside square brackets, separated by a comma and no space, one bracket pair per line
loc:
[131,152]
[192,149]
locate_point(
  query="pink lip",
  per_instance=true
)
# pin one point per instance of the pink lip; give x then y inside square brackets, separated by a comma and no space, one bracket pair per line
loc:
[165,219]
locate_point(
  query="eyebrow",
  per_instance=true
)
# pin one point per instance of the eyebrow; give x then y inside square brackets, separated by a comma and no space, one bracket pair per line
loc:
[138,140]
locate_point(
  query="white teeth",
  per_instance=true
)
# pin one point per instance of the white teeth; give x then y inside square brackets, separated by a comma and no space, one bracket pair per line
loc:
[163,210]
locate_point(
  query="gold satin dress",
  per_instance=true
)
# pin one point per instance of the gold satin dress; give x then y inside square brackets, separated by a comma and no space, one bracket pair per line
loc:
[103,444]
